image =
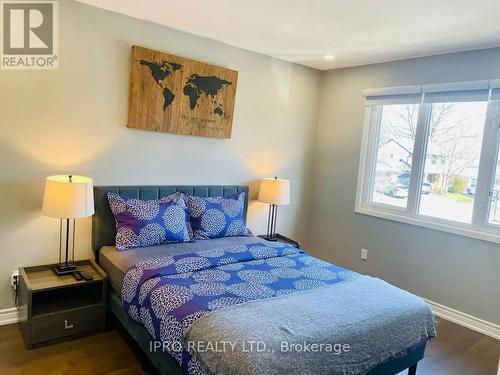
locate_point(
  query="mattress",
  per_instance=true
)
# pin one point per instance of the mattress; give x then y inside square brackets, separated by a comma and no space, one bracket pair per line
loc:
[116,263]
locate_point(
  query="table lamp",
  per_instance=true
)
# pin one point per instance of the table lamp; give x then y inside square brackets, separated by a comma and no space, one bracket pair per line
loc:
[67,198]
[275,192]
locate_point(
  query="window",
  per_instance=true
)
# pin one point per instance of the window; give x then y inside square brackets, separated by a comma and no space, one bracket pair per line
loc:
[494,206]
[455,136]
[430,157]
[394,151]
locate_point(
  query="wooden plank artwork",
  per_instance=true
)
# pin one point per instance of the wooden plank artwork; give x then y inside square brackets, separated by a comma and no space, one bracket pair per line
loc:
[177,95]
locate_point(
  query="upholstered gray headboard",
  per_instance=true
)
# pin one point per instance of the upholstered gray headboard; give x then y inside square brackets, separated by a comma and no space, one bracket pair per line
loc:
[103,222]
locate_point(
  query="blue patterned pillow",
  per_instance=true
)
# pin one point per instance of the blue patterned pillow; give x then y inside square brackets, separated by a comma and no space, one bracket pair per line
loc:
[141,223]
[215,217]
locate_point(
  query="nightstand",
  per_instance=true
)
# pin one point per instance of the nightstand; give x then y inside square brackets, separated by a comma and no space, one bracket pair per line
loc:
[281,238]
[54,308]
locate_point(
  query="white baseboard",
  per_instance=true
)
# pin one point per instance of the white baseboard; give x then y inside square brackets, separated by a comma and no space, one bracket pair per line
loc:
[8,316]
[465,320]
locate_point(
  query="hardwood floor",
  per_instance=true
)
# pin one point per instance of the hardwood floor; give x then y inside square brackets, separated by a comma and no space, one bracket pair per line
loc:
[105,353]
[456,351]
[459,351]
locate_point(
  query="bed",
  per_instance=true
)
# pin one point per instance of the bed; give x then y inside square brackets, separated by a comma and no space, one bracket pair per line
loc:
[224,324]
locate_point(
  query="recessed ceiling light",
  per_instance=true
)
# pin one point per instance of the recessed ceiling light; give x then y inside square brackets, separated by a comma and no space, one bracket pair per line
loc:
[329,57]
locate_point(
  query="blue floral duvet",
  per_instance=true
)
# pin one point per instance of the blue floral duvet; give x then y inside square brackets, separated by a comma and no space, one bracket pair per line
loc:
[168,294]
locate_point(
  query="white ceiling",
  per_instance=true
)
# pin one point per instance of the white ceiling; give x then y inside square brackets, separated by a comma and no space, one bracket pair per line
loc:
[357,32]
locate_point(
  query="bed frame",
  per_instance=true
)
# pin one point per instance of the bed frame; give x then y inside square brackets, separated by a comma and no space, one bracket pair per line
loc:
[103,234]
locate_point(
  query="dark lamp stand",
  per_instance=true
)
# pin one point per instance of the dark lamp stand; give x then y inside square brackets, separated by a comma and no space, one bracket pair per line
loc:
[67,266]
[271,223]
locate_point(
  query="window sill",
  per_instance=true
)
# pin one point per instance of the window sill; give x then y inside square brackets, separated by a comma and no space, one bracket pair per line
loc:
[431,223]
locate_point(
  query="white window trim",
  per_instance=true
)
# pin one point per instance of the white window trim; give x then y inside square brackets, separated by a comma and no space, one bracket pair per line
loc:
[479,229]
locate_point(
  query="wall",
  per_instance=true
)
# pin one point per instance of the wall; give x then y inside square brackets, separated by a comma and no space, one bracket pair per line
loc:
[74,120]
[455,271]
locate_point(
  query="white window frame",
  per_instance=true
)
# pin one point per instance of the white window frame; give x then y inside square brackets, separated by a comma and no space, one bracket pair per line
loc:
[479,227]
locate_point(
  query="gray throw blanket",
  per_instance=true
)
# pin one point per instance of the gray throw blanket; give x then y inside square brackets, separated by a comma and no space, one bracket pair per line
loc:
[355,325]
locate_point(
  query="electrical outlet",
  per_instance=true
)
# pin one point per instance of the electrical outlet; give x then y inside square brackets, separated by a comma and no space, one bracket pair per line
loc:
[364,254]
[14,279]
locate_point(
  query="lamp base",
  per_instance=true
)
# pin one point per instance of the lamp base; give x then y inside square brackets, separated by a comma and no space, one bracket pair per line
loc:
[65,268]
[270,238]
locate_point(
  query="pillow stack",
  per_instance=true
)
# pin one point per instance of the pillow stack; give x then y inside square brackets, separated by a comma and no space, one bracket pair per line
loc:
[215,217]
[176,218]
[141,223]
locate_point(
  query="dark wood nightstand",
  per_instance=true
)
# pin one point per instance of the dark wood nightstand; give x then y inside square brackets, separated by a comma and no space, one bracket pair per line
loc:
[281,238]
[54,308]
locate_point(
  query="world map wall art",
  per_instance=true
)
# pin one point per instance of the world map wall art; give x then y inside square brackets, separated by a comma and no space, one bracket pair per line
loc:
[177,95]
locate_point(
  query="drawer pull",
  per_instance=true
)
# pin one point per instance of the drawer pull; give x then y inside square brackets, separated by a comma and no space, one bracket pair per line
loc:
[68,326]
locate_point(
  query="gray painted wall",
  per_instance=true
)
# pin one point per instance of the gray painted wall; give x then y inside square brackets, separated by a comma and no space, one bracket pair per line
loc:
[455,271]
[74,120]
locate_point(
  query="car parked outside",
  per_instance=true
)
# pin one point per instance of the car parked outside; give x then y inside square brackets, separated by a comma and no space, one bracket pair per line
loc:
[398,190]
[471,189]
[426,188]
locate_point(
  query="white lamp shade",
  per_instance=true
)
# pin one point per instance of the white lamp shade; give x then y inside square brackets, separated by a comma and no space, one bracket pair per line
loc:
[67,199]
[274,191]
